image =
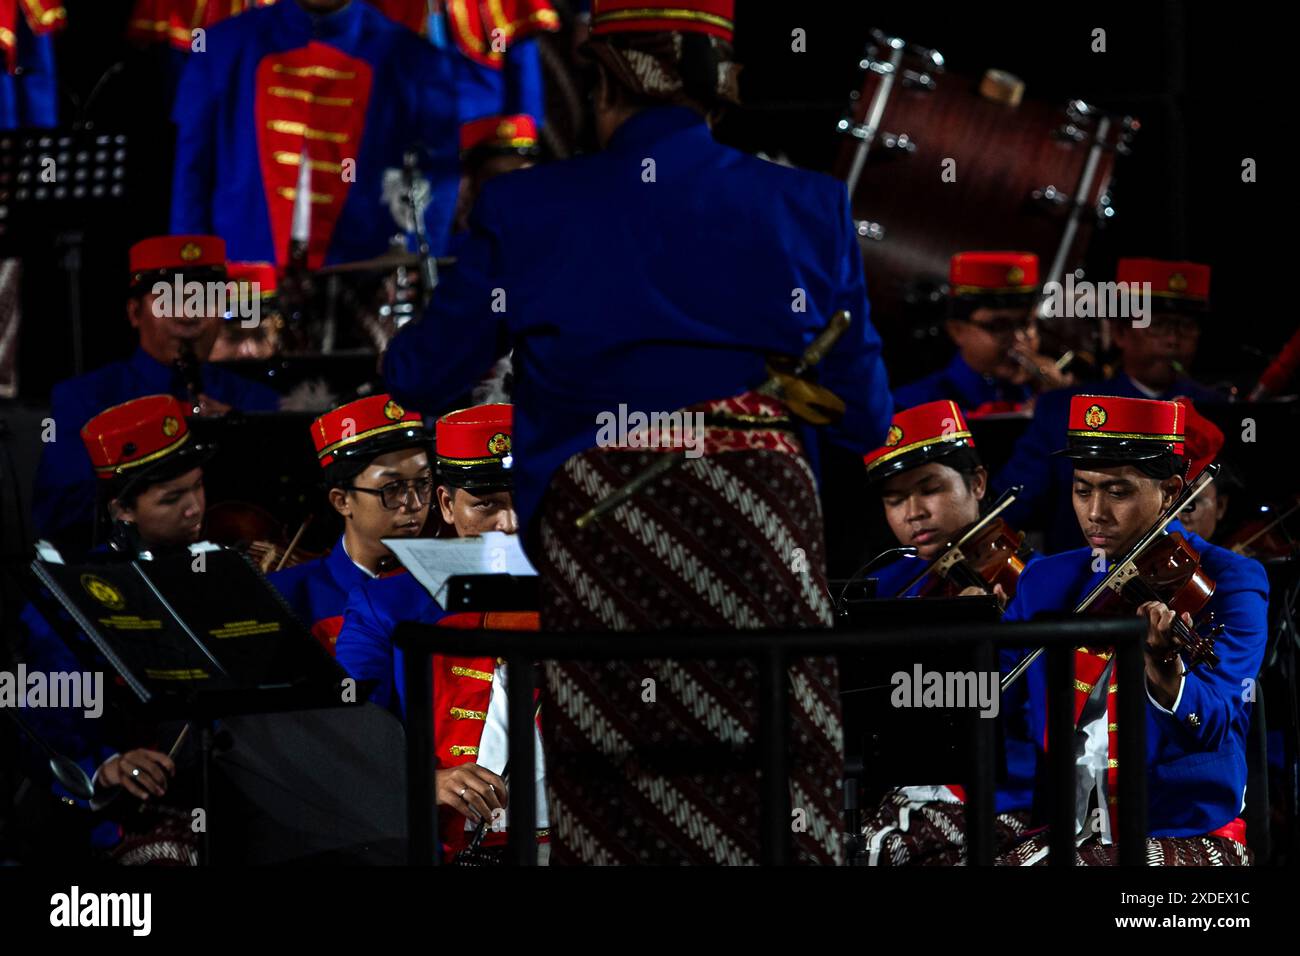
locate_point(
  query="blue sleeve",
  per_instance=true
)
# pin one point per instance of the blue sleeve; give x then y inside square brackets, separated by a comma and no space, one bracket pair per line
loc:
[437,123]
[365,645]
[29,96]
[194,168]
[854,369]
[64,490]
[431,362]
[1219,697]
[1031,465]
[524,90]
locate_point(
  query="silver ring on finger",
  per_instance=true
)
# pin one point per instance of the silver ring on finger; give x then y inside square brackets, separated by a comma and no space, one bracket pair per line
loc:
[135,772]
[462,792]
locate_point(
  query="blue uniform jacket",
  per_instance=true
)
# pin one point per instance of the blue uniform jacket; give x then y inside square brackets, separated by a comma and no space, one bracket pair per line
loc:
[1046,502]
[30,96]
[318,590]
[657,273]
[222,151]
[64,492]
[365,646]
[958,382]
[1196,755]
[515,88]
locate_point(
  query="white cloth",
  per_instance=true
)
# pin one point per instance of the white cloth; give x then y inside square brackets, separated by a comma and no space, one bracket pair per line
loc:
[493,746]
[1091,760]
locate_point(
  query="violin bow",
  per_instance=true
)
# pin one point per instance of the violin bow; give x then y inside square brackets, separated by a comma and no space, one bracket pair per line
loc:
[952,555]
[1122,571]
[1241,548]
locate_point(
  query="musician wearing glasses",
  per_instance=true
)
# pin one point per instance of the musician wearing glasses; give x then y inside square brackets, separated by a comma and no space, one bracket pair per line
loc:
[1131,461]
[374,458]
[1155,355]
[997,366]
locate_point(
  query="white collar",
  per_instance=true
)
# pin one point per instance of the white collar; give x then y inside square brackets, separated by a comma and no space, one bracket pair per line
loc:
[343,543]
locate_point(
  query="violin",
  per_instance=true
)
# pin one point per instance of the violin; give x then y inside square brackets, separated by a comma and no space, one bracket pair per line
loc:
[1169,571]
[1163,567]
[1265,539]
[987,554]
[255,531]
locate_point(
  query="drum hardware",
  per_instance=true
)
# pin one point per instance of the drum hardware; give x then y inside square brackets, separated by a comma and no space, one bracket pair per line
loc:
[889,71]
[869,230]
[1036,176]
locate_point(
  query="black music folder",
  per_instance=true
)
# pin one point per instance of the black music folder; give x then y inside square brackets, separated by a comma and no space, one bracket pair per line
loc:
[195,633]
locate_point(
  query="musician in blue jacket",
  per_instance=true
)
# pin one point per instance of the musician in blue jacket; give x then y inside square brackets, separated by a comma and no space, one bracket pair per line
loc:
[374,457]
[1129,466]
[1154,363]
[63,495]
[991,322]
[149,472]
[294,123]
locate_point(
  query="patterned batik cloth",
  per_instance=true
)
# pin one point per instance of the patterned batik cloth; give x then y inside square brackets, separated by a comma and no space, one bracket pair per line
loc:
[730,540]
[906,831]
[1161,851]
[167,839]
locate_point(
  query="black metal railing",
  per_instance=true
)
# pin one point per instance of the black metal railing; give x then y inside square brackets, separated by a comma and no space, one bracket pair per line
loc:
[772,651]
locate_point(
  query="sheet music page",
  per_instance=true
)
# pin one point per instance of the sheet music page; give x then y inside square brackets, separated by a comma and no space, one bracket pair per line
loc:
[434,560]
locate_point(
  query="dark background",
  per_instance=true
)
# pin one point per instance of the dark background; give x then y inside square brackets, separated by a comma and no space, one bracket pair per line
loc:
[1204,83]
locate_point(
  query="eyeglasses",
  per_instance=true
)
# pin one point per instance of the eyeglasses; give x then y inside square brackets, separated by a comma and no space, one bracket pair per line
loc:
[1005,327]
[396,493]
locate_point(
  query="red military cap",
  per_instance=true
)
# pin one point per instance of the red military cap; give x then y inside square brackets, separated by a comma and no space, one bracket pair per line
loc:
[516,133]
[161,254]
[474,447]
[145,437]
[261,273]
[1110,428]
[369,426]
[993,273]
[717,17]
[1204,439]
[921,434]
[1174,284]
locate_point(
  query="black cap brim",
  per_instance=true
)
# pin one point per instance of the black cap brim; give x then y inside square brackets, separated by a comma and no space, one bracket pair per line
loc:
[189,456]
[1115,451]
[943,452]
[417,436]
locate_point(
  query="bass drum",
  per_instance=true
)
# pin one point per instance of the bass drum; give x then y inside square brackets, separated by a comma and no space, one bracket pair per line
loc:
[939,163]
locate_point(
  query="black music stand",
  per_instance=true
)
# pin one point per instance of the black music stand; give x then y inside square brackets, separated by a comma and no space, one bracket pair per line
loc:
[55,183]
[192,636]
[934,747]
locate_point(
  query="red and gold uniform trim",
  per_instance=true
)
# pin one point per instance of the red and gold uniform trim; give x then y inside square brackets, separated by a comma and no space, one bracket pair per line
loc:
[715,17]
[473,24]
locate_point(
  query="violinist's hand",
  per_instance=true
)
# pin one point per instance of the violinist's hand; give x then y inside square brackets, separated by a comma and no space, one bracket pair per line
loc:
[155,770]
[1164,667]
[470,790]
[974,591]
